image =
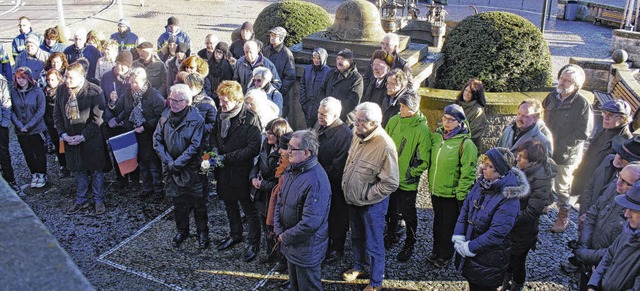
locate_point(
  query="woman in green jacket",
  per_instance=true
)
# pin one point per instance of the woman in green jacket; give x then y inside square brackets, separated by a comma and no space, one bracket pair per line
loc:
[451,175]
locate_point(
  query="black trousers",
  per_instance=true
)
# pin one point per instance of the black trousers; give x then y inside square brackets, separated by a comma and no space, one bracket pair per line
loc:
[517,266]
[474,287]
[35,154]
[5,157]
[182,205]
[445,215]
[235,221]
[338,221]
[403,203]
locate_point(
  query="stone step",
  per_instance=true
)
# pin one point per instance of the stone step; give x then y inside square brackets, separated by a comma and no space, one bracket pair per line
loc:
[359,48]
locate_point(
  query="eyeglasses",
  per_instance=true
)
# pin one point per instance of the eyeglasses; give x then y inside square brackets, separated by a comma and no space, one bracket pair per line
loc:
[448,119]
[624,182]
[257,80]
[609,115]
[176,100]
[291,149]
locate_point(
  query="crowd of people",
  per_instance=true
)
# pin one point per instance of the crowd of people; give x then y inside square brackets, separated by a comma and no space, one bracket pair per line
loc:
[221,114]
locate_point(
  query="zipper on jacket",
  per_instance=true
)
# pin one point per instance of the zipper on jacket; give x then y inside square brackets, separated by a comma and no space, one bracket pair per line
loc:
[435,172]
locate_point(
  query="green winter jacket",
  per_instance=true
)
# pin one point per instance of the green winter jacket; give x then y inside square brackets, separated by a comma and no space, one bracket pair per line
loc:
[452,174]
[412,137]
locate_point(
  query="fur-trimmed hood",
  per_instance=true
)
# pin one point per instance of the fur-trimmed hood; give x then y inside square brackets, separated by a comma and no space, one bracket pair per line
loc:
[521,190]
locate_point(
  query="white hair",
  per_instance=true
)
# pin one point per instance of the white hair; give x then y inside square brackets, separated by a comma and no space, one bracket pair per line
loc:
[81,32]
[181,91]
[265,108]
[264,73]
[371,110]
[333,105]
[393,38]
[577,74]
[138,74]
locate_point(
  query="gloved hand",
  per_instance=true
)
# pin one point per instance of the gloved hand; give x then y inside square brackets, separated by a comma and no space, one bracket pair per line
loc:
[457,245]
[171,167]
[463,249]
[457,238]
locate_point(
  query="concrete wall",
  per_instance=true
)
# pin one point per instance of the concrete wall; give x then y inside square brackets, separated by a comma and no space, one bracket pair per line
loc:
[586,10]
[30,257]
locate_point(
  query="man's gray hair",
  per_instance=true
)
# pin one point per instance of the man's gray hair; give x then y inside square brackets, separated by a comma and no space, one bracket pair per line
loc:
[393,38]
[577,74]
[264,73]
[634,167]
[138,74]
[332,104]
[181,91]
[371,110]
[308,140]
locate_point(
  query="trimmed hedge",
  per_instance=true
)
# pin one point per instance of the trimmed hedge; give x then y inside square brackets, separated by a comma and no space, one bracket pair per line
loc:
[506,51]
[299,18]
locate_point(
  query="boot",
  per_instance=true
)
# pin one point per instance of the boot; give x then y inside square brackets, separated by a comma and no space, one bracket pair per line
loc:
[563,221]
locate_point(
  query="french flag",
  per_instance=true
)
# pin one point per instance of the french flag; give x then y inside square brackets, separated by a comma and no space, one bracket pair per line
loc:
[125,150]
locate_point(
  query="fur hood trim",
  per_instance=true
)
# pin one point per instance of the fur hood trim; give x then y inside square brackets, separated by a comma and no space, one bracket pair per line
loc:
[522,190]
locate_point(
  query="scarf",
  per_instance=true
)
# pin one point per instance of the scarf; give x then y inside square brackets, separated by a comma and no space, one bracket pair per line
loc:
[226,120]
[284,163]
[137,116]
[176,117]
[450,134]
[50,94]
[633,234]
[71,108]
[484,183]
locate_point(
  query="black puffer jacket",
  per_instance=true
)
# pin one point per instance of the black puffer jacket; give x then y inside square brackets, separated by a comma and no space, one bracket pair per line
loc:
[524,233]
[88,155]
[333,151]
[282,58]
[239,148]
[178,147]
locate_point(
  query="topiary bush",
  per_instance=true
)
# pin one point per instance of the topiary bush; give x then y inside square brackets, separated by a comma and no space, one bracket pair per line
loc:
[299,18]
[506,51]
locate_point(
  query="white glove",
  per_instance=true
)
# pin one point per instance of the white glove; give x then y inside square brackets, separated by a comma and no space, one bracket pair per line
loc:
[464,250]
[457,245]
[456,238]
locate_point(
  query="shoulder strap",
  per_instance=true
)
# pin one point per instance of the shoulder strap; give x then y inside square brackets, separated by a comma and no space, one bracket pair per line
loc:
[464,139]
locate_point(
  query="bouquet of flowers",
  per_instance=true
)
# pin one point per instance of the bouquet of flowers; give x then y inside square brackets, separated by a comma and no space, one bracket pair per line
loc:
[211,160]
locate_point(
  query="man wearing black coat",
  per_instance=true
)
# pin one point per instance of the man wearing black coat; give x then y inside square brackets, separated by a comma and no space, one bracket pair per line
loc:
[344,83]
[237,137]
[334,137]
[282,58]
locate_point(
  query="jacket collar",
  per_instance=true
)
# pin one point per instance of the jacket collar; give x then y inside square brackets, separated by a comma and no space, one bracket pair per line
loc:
[304,166]
[376,132]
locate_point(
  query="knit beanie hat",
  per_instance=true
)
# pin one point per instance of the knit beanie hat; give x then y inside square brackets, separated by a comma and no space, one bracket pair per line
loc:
[456,112]
[125,58]
[248,26]
[283,141]
[347,54]
[223,46]
[410,99]
[173,21]
[498,161]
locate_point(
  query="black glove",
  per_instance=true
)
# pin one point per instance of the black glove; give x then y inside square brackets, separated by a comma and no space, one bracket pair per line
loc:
[573,244]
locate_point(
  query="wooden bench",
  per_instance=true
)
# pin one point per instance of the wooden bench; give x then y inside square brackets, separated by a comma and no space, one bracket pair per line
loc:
[610,16]
[620,91]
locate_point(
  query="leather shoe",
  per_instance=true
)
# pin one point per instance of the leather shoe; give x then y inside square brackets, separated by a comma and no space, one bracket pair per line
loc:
[178,239]
[251,254]
[203,240]
[227,243]
[333,256]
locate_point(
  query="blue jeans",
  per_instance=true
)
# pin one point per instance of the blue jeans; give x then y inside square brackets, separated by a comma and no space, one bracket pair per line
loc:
[83,178]
[367,239]
[151,174]
[303,278]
